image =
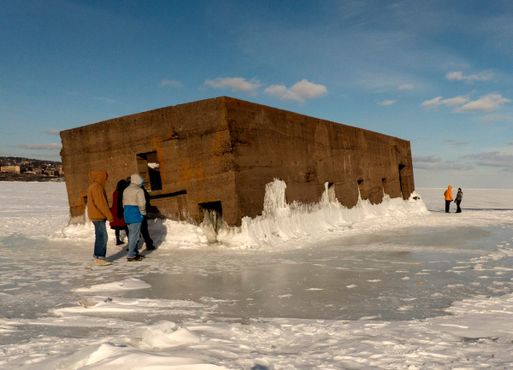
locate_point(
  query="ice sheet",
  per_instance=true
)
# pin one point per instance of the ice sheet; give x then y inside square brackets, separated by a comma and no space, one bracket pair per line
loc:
[391,286]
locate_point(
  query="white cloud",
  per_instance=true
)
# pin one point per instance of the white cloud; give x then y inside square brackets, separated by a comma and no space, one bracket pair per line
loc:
[52,132]
[460,76]
[457,100]
[170,83]
[300,91]
[449,102]
[485,103]
[277,90]
[454,76]
[51,146]
[406,87]
[432,102]
[387,102]
[234,84]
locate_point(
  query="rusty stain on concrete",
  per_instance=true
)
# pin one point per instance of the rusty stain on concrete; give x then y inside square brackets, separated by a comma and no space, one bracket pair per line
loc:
[222,152]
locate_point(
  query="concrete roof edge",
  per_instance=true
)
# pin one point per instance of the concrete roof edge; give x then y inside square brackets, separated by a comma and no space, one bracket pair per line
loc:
[146,111]
[312,117]
[225,100]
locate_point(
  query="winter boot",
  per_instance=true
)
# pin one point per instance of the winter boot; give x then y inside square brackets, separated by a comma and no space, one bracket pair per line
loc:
[101,262]
[136,258]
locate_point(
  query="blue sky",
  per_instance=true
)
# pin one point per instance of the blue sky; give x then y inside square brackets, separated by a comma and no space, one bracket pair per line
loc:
[437,73]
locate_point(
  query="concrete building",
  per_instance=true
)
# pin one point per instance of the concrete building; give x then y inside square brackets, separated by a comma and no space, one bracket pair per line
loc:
[10,169]
[218,154]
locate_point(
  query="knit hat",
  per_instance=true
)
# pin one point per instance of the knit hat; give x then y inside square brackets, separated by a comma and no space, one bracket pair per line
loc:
[136,179]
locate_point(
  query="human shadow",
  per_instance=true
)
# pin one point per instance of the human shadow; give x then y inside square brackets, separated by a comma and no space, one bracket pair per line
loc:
[259,367]
[119,254]
[158,232]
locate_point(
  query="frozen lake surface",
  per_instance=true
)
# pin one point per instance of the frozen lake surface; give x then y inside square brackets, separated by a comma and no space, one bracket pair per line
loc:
[398,286]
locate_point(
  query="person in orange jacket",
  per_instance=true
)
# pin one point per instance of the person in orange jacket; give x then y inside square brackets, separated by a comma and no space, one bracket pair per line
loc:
[99,212]
[448,198]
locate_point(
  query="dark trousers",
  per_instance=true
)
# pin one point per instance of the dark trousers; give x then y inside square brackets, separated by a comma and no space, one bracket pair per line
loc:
[458,210]
[447,206]
[118,234]
[145,233]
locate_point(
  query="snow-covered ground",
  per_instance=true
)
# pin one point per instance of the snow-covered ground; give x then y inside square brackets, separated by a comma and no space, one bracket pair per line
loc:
[400,285]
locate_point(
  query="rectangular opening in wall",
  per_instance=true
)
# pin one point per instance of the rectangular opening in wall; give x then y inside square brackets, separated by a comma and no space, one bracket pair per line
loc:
[360,186]
[212,214]
[149,169]
[331,192]
[401,177]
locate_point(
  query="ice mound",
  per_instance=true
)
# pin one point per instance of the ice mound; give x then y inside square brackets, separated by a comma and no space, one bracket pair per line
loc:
[281,224]
[127,284]
[100,305]
[166,334]
[110,356]
[77,231]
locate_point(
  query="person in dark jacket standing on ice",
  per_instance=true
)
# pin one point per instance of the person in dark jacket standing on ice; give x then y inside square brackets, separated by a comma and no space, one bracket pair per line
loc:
[448,198]
[144,225]
[134,206]
[459,198]
[118,222]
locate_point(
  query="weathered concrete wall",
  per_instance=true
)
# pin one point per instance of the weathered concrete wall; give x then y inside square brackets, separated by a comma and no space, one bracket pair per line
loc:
[191,142]
[306,152]
[226,150]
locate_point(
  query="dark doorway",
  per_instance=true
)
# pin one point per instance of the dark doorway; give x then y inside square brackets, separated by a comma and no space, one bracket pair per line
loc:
[360,186]
[149,168]
[401,178]
[212,214]
[331,192]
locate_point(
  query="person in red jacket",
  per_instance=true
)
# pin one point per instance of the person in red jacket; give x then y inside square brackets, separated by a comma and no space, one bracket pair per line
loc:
[448,198]
[118,221]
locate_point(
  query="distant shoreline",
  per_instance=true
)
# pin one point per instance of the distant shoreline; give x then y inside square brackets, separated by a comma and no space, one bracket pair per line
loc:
[26,177]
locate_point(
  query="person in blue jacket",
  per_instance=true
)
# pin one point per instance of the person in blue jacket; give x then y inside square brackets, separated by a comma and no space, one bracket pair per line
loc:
[134,210]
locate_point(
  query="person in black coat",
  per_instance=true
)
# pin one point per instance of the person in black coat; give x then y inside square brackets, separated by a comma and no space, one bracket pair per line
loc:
[144,225]
[459,198]
[118,222]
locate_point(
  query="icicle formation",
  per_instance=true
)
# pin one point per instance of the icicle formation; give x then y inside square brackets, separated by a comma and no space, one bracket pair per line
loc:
[274,201]
[287,225]
[209,225]
[281,223]
[328,195]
